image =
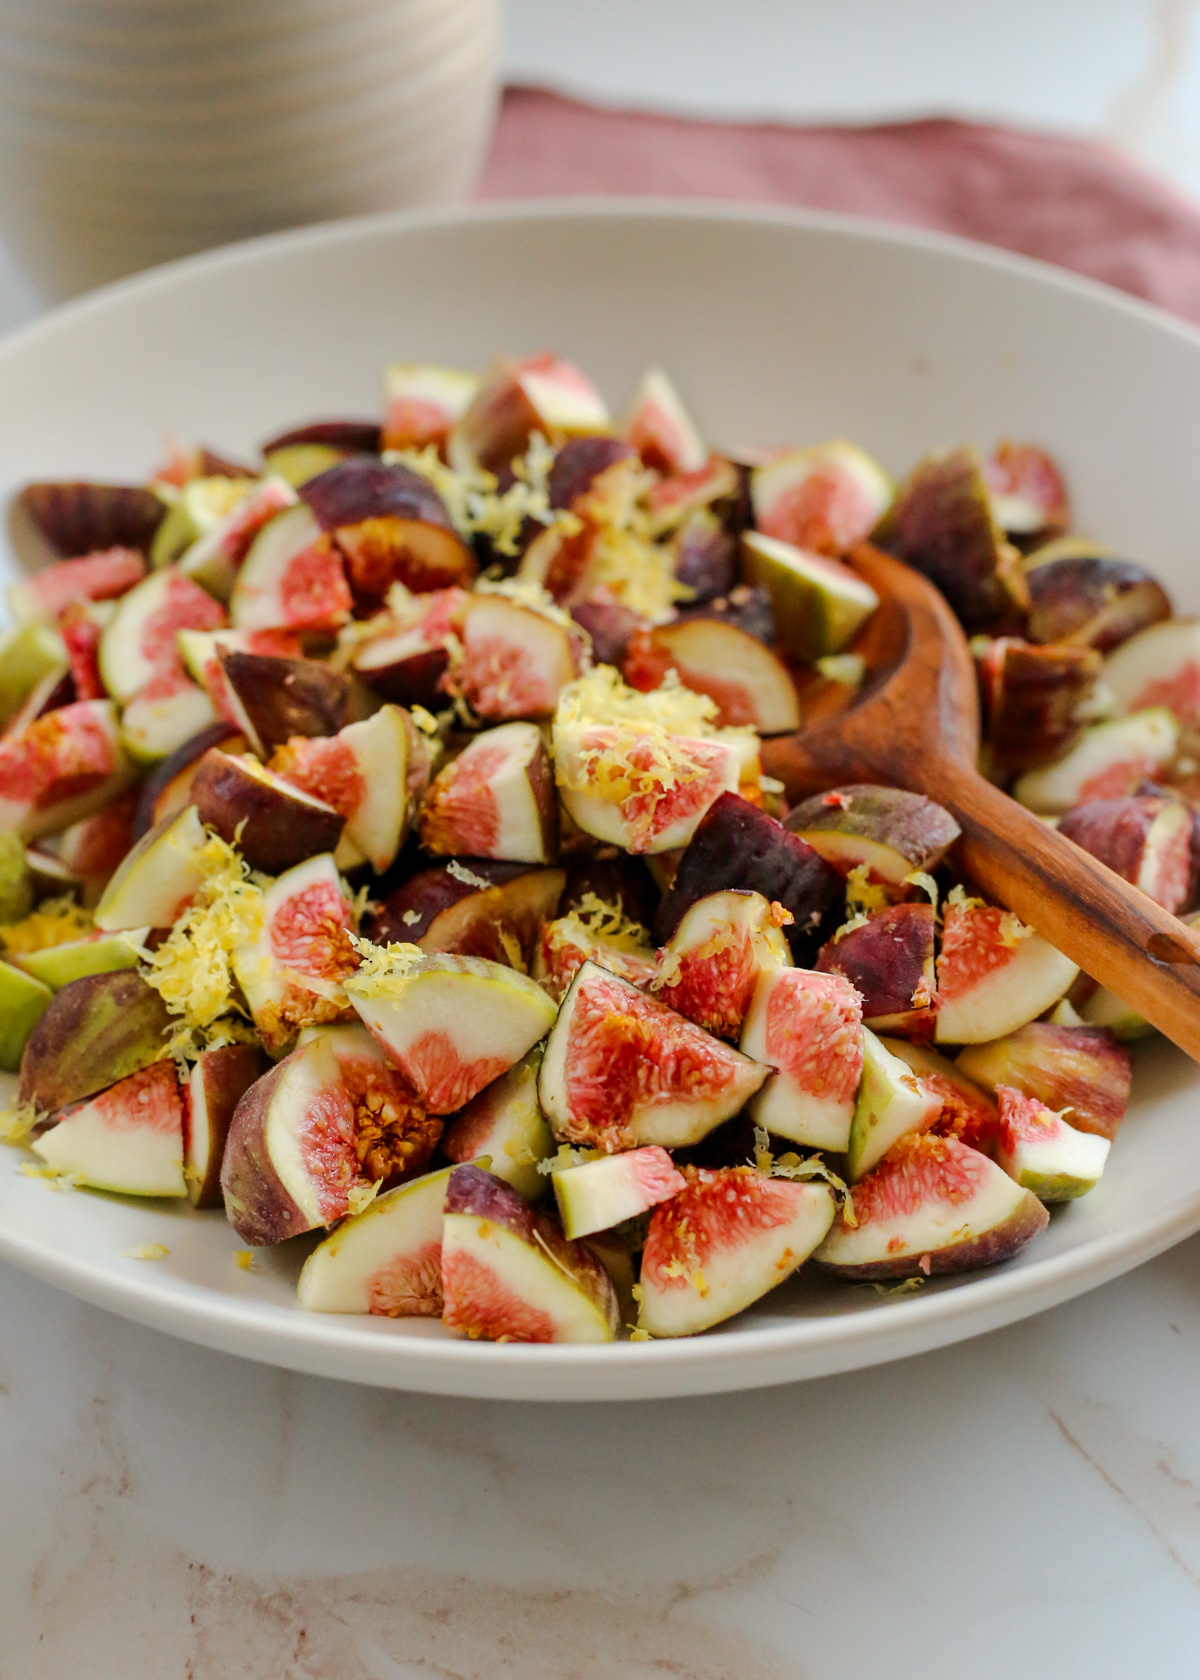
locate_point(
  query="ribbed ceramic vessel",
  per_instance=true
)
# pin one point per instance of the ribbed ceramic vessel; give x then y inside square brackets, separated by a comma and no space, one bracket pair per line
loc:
[133,131]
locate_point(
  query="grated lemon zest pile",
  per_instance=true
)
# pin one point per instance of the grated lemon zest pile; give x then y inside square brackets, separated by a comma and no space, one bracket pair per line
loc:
[863,894]
[54,922]
[385,970]
[191,970]
[804,1168]
[473,500]
[918,878]
[1013,930]
[598,918]
[660,721]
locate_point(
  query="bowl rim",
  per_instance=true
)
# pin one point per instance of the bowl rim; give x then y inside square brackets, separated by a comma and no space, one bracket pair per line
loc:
[770,1353]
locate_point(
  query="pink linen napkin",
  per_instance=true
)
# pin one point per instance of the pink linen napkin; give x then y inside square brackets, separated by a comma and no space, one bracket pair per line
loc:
[1071,202]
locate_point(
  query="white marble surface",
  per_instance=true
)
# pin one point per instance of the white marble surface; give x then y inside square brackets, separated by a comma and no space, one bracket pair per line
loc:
[1024,1505]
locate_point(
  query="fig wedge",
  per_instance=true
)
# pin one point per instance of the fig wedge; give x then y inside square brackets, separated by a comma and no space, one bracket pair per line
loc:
[716,657]
[275,823]
[1081,1071]
[1041,1152]
[158,878]
[1160,666]
[495,800]
[292,976]
[479,909]
[1148,841]
[28,655]
[94,1032]
[390,525]
[888,959]
[601,1193]
[621,1069]
[168,712]
[129,1138]
[61,768]
[1091,601]
[81,517]
[274,698]
[541,393]
[1032,698]
[139,640]
[709,967]
[827,498]
[102,576]
[293,577]
[808,1028]
[723,1243]
[660,428]
[218,1081]
[994,974]
[451,1024]
[423,402]
[934,1205]
[891,1103]
[1107,761]
[362,772]
[894,833]
[215,557]
[168,787]
[514,660]
[508,1273]
[386,1260]
[819,605]
[1027,492]
[505,1123]
[968,1113]
[57,966]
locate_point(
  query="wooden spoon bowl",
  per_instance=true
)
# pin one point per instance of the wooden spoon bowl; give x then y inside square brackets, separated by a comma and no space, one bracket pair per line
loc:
[916,726]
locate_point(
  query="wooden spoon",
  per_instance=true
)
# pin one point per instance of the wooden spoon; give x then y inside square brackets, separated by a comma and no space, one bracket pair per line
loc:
[917,726]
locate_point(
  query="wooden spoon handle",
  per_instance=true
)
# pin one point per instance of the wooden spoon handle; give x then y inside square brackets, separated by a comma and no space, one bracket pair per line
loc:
[1113,931]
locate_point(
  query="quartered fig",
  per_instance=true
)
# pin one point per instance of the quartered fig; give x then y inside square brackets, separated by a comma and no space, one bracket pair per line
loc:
[1107,761]
[994,974]
[600,1194]
[505,1123]
[362,773]
[723,1243]
[660,428]
[168,712]
[129,1138]
[824,499]
[139,641]
[215,557]
[275,698]
[94,1032]
[516,398]
[508,1273]
[706,560]
[514,660]
[1032,698]
[1148,841]
[81,517]
[477,909]
[495,800]
[716,657]
[1041,1152]
[709,967]
[275,823]
[1027,492]
[60,768]
[385,1260]
[158,878]
[1160,666]
[891,1102]
[934,1205]
[737,846]
[293,975]
[423,402]
[1080,1071]
[168,787]
[968,1112]
[28,655]
[888,958]
[102,576]
[622,1069]
[217,1083]
[1091,600]
[293,577]
[579,463]
[58,965]
[24,999]
[351,437]
[391,526]
[714,485]
[808,1028]
[818,604]
[894,833]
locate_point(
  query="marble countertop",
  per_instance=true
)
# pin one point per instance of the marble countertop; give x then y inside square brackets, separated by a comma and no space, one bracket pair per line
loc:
[1024,1504]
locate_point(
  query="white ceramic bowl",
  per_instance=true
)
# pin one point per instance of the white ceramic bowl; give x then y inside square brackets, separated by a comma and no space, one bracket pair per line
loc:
[777,327]
[131,133]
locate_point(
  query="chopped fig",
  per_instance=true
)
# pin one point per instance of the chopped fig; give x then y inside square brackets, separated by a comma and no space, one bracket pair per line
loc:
[92,577]
[661,429]
[1148,841]
[738,846]
[1090,600]
[514,399]
[423,402]
[819,604]
[994,974]
[390,524]
[296,463]
[709,967]
[167,789]
[934,1205]
[1102,1008]
[81,626]
[394,1133]
[1026,490]
[73,959]
[169,711]
[509,1274]
[139,640]
[600,1194]
[706,558]
[292,976]
[1032,698]
[826,499]
[942,524]
[193,509]
[715,657]
[1081,1071]
[28,655]
[361,772]
[385,1260]
[95,1031]
[808,1027]
[483,909]
[218,1081]
[495,800]
[622,1069]
[1108,760]
[292,577]
[888,959]
[513,660]
[60,768]
[672,500]
[349,437]
[598,934]
[1160,666]
[215,557]
[276,698]
[891,1103]
[158,878]
[74,519]
[51,694]
[274,822]
[895,833]
[94,847]
[968,1113]
[129,1138]
[608,623]
[1040,1152]
[579,463]
[201,653]
[505,1123]
[24,999]
[290,1162]
[728,1238]
[407,667]
[452,1024]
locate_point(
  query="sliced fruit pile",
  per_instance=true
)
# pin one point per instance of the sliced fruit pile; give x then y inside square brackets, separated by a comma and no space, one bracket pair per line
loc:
[385,853]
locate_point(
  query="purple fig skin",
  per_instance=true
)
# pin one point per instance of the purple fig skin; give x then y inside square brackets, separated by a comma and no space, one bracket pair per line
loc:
[481,1195]
[273,825]
[917,830]
[361,488]
[622,881]
[94,1032]
[356,437]
[79,518]
[1027,1221]
[706,559]
[1031,696]
[411,681]
[579,463]
[888,960]
[609,624]
[228,1074]
[455,917]
[737,845]
[941,523]
[1080,1068]
[1116,832]
[1093,601]
[286,697]
[746,607]
[176,764]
